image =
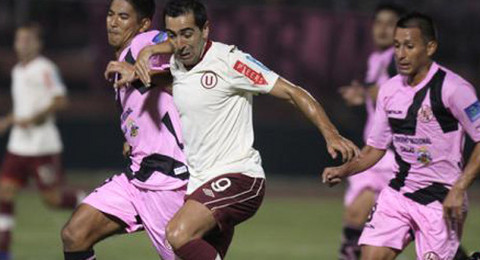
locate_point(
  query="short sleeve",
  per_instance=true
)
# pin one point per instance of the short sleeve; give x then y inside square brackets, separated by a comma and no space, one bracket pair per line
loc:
[464,105]
[248,74]
[380,135]
[53,81]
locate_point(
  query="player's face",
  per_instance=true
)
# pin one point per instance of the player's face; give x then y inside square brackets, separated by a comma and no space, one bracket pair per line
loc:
[384,28]
[27,44]
[122,24]
[186,37]
[412,53]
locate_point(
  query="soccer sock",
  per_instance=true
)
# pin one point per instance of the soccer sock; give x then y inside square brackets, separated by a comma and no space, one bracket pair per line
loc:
[350,250]
[82,255]
[6,224]
[461,254]
[197,249]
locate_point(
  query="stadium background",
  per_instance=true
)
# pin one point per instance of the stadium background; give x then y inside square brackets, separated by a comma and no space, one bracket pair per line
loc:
[318,44]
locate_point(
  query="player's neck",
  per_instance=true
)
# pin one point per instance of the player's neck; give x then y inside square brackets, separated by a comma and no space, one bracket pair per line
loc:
[27,59]
[422,73]
[206,45]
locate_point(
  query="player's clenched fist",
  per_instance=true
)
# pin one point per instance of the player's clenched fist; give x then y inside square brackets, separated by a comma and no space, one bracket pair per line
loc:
[333,175]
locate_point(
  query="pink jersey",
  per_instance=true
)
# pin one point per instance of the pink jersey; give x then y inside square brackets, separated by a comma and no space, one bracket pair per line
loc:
[151,125]
[426,125]
[381,67]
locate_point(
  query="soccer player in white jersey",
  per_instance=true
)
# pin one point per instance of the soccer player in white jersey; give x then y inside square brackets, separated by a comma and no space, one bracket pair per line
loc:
[213,88]
[34,147]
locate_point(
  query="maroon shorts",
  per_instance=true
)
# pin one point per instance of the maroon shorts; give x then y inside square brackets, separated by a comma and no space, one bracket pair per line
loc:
[47,170]
[233,198]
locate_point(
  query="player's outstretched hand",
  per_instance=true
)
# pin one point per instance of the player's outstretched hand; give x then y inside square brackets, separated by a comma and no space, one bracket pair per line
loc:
[354,94]
[339,144]
[333,175]
[126,71]
[453,208]
[142,65]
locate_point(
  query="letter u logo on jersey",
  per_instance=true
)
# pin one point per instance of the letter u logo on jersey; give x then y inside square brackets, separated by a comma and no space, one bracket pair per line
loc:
[209,80]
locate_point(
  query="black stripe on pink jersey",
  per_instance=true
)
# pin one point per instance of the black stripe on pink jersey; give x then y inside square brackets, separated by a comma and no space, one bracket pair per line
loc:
[447,121]
[158,163]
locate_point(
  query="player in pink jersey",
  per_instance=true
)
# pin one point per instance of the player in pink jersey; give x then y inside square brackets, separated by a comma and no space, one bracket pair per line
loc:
[213,89]
[424,112]
[363,190]
[151,190]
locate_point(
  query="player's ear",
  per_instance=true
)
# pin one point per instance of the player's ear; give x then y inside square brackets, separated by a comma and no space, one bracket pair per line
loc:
[145,24]
[206,30]
[431,48]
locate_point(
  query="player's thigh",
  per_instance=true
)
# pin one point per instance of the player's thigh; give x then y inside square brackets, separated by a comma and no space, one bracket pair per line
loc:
[48,172]
[192,221]
[356,213]
[89,225]
[378,253]
[14,175]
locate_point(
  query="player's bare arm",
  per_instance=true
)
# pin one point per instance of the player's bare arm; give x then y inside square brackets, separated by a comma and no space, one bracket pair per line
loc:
[5,123]
[142,65]
[300,98]
[59,103]
[368,157]
[453,204]
[128,74]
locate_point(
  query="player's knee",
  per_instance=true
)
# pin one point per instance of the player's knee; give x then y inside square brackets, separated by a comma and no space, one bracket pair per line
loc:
[177,234]
[354,217]
[73,237]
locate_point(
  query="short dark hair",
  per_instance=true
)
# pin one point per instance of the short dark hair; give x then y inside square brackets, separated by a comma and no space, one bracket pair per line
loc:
[397,9]
[34,27]
[420,21]
[144,8]
[175,8]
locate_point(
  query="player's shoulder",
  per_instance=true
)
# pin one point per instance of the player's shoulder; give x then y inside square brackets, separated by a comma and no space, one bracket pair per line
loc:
[453,79]
[393,83]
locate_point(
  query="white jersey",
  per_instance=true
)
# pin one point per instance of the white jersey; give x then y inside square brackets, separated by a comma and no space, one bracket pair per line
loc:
[214,99]
[34,86]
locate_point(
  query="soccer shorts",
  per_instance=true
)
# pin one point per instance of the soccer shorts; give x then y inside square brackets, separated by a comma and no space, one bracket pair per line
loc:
[139,209]
[395,215]
[233,198]
[47,170]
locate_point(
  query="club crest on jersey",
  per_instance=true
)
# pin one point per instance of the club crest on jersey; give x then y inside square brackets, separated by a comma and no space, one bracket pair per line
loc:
[425,114]
[133,127]
[473,111]
[424,156]
[209,79]
[431,256]
[250,73]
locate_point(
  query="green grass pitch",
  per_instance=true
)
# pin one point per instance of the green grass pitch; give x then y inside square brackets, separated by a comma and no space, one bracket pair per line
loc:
[286,227]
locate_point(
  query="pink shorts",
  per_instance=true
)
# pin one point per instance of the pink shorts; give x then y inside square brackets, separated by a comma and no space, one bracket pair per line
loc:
[139,208]
[395,216]
[375,178]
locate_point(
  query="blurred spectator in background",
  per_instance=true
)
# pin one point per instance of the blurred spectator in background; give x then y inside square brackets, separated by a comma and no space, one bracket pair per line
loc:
[34,147]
